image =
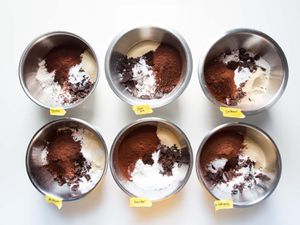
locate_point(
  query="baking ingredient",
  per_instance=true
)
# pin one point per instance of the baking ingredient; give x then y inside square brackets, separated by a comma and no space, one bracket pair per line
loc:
[232,163]
[167,66]
[149,181]
[65,161]
[256,88]
[220,82]
[151,75]
[140,142]
[223,144]
[66,75]
[236,175]
[168,137]
[145,82]
[60,60]
[243,82]
[147,167]
[168,156]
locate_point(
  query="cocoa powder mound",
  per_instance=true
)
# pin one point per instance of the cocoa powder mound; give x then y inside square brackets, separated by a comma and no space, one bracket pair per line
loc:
[61,59]
[65,160]
[223,144]
[138,144]
[220,81]
[167,66]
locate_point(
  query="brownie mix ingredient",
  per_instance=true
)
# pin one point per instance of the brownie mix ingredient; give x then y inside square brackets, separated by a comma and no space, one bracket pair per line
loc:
[138,144]
[65,160]
[63,76]
[167,66]
[61,59]
[151,75]
[220,82]
[168,156]
[225,165]
[227,77]
[224,144]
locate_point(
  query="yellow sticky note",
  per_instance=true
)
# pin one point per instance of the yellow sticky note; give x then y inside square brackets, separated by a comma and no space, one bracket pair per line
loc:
[232,112]
[57,112]
[140,202]
[142,109]
[54,200]
[223,204]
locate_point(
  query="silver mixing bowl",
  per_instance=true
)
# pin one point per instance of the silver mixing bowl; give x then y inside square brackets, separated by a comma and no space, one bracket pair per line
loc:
[36,52]
[258,43]
[270,151]
[183,140]
[124,41]
[39,175]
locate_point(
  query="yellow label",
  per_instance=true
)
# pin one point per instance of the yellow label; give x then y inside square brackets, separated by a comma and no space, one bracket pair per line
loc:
[140,202]
[232,112]
[57,112]
[223,204]
[142,109]
[54,200]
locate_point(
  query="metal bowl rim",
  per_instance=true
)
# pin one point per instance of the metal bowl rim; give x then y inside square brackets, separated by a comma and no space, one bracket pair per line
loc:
[279,51]
[40,38]
[169,99]
[79,121]
[250,126]
[144,121]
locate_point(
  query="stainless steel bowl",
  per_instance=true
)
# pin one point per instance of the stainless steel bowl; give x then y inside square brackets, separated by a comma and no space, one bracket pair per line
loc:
[43,180]
[256,42]
[182,138]
[36,52]
[270,151]
[124,41]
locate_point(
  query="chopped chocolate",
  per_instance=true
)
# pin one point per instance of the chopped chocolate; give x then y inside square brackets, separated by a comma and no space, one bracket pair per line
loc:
[262,177]
[147,159]
[168,156]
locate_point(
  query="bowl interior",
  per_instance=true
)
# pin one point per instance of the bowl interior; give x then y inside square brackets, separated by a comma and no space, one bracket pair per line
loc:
[137,191]
[272,166]
[36,161]
[124,43]
[257,43]
[36,52]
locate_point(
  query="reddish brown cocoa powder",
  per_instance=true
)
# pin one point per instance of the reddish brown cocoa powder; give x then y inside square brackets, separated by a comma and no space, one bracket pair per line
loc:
[220,81]
[65,160]
[61,59]
[224,144]
[167,66]
[138,143]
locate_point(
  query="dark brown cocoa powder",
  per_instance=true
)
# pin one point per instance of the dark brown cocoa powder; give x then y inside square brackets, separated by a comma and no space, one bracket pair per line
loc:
[65,160]
[138,144]
[61,59]
[167,66]
[223,144]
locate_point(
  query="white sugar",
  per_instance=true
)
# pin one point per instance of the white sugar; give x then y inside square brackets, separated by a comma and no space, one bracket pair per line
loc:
[144,76]
[148,180]
[55,95]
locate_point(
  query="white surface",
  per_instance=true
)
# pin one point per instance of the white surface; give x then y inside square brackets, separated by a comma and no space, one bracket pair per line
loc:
[98,22]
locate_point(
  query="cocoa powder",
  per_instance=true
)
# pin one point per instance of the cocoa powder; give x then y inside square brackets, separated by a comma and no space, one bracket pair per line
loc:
[220,81]
[61,59]
[223,144]
[167,66]
[138,144]
[65,160]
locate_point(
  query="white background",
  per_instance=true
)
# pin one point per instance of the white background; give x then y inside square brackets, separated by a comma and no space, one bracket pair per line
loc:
[98,22]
